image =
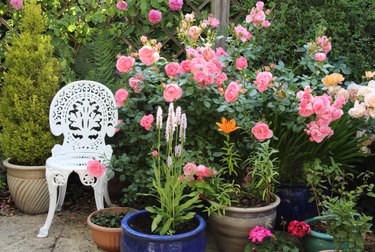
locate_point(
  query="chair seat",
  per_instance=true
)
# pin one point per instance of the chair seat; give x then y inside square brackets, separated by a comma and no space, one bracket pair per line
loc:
[72,161]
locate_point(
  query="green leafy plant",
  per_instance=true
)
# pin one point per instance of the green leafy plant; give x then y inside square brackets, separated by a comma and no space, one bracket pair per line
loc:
[30,83]
[109,219]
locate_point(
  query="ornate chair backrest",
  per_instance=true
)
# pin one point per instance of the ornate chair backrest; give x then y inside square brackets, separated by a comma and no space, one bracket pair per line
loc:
[84,112]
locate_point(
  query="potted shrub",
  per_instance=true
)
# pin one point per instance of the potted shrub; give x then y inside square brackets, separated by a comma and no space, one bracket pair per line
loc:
[30,82]
[105,225]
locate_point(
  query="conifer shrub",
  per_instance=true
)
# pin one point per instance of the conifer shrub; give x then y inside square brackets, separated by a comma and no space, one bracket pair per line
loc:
[29,85]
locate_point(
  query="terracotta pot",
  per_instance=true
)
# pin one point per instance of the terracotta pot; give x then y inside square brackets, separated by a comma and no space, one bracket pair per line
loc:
[107,238]
[28,187]
[231,230]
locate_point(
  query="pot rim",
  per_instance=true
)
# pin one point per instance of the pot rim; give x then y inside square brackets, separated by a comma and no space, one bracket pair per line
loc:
[254,209]
[7,165]
[106,229]
[163,238]
[317,234]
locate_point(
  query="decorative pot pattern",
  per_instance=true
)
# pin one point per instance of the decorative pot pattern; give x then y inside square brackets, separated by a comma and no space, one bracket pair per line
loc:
[231,230]
[28,187]
[133,241]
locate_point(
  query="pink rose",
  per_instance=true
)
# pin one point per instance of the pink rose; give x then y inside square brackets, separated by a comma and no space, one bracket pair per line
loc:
[148,55]
[221,78]
[95,168]
[124,64]
[324,43]
[305,108]
[172,69]
[220,52]
[261,131]
[211,21]
[199,77]
[189,168]
[172,92]
[241,63]
[185,66]
[117,123]
[146,121]
[259,5]
[259,17]
[154,16]
[120,96]
[191,53]
[231,93]
[262,80]
[194,32]
[16,4]
[135,83]
[121,5]
[242,33]
[321,103]
[266,23]
[320,57]
[155,153]
[176,5]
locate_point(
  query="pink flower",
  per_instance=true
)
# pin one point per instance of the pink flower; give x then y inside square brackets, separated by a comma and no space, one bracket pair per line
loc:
[232,91]
[176,5]
[211,21]
[324,43]
[172,69]
[185,66]
[117,123]
[16,4]
[320,57]
[257,234]
[220,52]
[95,168]
[266,23]
[241,63]
[262,80]
[155,153]
[154,16]
[318,132]
[172,92]
[242,33]
[120,96]
[305,108]
[148,55]
[124,64]
[194,32]
[146,121]
[203,171]
[189,168]
[221,78]
[122,5]
[259,17]
[321,103]
[191,53]
[261,131]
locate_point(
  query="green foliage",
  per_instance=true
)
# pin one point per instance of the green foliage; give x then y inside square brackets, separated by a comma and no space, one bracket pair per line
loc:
[30,84]
[109,219]
[263,173]
[346,224]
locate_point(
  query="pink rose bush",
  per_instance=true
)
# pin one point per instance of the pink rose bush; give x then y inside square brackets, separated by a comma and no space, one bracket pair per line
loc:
[95,168]
[258,16]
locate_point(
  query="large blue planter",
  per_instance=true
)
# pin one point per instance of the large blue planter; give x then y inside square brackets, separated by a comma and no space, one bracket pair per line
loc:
[134,241]
[294,204]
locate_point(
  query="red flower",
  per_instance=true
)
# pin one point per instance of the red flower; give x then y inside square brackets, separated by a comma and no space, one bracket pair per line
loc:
[299,228]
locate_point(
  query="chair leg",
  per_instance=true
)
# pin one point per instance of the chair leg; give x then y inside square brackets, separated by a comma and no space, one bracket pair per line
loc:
[52,188]
[98,190]
[60,201]
[106,194]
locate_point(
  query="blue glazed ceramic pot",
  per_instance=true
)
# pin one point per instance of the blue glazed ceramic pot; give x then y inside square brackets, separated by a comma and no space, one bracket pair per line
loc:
[294,204]
[134,241]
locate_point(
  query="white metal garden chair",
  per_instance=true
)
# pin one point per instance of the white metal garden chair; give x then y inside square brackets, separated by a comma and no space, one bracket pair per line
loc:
[84,112]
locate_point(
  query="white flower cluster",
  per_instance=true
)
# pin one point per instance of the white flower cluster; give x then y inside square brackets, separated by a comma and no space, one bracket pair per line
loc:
[364,97]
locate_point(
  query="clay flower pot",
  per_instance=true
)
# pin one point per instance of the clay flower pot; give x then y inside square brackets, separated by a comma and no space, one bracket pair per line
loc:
[105,237]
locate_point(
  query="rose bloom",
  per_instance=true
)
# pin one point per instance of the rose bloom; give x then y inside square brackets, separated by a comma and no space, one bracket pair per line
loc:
[124,64]
[211,21]
[121,5]
[154,153]
[146,121]
[189,168]
[148,55]
[154,16]
[241,63]
[370,100]
[185,66]
[176,5]
[135,83]
[189,17]
[172,69]
[95,168]
[320,57]
[232,91]
[194,32]
[333,79]
[172,92]
[324,43]
[120,96]
[261,131]
[220,52]
[266,23]
[242,33]
[262,80]
[369,74]
[16,4]
[259,17]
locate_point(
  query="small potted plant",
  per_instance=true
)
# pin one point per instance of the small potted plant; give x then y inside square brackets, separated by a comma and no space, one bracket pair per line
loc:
[105,225]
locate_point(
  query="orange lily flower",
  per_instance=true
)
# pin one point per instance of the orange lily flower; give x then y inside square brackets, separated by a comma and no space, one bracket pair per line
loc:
[227,126]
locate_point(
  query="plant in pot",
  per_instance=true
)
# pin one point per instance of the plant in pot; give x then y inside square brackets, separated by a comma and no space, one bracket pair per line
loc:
[105,225]
[173,225]
[30,83]
[339,225]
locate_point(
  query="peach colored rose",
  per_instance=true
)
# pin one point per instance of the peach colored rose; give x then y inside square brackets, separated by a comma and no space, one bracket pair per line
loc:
[172,69]
[172,92]
[232,91]
[120,96]
[146,121]
[148,55]
[370,100]
[241,63]
[124,64]
[261,131]
[95,168]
